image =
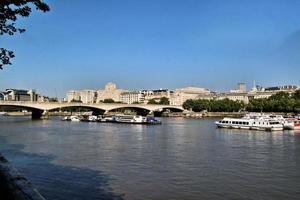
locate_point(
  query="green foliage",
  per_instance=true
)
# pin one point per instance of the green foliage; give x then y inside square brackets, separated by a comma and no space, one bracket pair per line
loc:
[108,101]
[164,101]
[224,105]
[279,102]
[152,101]
[280,96]
[297,94]
[10,11]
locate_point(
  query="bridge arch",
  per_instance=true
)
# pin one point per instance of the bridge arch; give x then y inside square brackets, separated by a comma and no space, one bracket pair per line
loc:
[140,110]
[36,113]
[95,110]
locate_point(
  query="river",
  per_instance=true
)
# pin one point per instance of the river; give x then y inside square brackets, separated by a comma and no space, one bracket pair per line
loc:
[181,159]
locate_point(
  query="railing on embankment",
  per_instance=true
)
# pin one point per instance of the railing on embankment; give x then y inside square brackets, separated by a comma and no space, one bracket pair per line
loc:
[14,186]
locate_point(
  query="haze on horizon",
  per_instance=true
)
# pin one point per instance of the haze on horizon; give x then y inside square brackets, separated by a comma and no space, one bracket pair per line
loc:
[155,44]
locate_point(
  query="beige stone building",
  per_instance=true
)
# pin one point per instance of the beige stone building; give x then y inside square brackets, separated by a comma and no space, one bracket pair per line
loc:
[110,91]
[182,94]
[132,97]
[73,95]
[88,96]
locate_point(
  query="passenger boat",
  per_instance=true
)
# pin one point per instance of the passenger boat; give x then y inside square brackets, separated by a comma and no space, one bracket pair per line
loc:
[267,125]
[235,123]
[250,122]
[131,119]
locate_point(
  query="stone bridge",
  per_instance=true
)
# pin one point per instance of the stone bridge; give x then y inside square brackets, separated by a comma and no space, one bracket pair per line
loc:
[40,109]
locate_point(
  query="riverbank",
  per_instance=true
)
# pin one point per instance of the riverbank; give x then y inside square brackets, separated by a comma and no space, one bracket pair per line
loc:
[13,185]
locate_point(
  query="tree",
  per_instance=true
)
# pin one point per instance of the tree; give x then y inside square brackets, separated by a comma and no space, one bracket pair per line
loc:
[108,101]
[152,101]
[164,101]
[297,94]
[10,10]
[279,96]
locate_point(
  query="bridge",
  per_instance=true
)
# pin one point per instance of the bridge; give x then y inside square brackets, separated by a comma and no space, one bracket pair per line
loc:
[41,109]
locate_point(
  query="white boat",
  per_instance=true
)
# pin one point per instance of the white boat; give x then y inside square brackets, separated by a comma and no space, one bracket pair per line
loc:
[263,124]
[249,122]
[66,118]
[75,118]
[3,113]
[92,118]
[129,119]
[235,123]
[292,124]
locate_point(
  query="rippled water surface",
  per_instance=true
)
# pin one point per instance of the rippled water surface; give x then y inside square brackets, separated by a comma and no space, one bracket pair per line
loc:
[180,159]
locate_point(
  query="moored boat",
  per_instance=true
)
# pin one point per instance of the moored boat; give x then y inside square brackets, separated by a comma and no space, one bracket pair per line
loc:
[252,122]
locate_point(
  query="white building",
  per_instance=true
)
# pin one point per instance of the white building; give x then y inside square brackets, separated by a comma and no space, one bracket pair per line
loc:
[88,96]
[182,94]
[132,97]
[73,95]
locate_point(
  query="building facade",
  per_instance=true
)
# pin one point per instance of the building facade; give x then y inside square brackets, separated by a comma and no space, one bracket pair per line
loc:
[19,95]
[182,94]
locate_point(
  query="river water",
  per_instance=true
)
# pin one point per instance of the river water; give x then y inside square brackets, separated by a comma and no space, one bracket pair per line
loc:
[180,159]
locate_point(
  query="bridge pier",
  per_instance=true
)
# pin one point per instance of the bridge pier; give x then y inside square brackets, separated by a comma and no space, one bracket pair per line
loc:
[39,114]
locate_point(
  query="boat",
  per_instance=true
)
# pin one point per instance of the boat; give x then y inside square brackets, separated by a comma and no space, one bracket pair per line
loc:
[264,123]
[292,124]
[130,119]
[235,123]
[66,118]
[3,113]
[75,118]
[89,118]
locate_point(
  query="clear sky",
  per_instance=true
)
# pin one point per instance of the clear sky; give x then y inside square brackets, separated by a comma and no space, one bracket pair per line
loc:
[140,44]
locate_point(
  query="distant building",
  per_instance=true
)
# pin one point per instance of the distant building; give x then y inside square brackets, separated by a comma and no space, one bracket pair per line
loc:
[88,96]
[155,94]
[182,94]
[19,95]
[1,96]
[241,88]
[110,92]
[73,95]
[131,97]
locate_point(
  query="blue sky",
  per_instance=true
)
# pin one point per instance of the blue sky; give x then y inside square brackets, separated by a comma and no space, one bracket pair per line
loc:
[141,44]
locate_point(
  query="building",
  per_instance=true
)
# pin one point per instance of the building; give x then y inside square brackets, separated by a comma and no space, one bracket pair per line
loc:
[241,88]
[88,96]
[19,95]
[1,96]
[110,91]
[155,94]
[73,95]
[182,94]
[132,97]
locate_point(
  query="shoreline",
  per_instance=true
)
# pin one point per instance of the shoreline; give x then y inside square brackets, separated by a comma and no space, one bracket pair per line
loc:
[13,185]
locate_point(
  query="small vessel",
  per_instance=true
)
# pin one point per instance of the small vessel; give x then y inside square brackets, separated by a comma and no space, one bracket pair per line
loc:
[66,118]
[3,113]
[292,124]
[75,118]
